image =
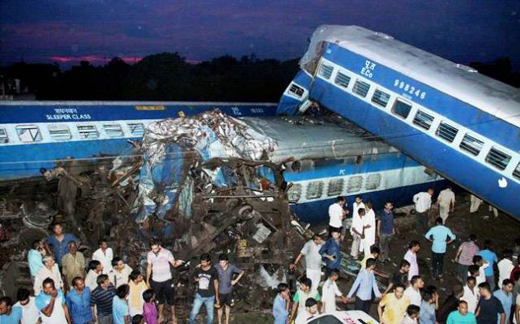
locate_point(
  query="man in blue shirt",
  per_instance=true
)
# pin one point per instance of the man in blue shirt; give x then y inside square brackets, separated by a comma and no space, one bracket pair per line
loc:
[363,287]
[331,251]
[51,304]
[491,258]
[505,295]
[78,302]
[461,316]
[120,309]
[59,242]
[440,236]
[281,304]
[385,230]
[35,258]
[8,313]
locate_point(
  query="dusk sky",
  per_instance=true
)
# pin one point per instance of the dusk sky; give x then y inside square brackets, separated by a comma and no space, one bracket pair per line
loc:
[67,31]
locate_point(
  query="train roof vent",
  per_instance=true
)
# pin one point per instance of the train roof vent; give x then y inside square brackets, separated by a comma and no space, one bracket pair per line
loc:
[383,35]
[466,68]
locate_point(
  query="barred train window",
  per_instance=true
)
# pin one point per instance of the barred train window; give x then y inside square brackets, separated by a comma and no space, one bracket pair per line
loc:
[447,132]
[423,120]
[361,88]
[497,158]
[516,172]
[59,132]
[29,134]
[295,192]
[3,136]
[471,144]
[314,189]
[136,129]
[373,181]
[296,90]
[113,130]
[326,71]
[354,184]
[88,131]
[381,98]
[342,80]
[335,187]
[401,108]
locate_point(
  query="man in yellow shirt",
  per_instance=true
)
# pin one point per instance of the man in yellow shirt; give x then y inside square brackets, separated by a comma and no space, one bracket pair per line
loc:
[73,264]
[392,307]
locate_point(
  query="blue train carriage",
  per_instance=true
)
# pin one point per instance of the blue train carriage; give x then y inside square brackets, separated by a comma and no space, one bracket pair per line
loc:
[447,116]
[35,134]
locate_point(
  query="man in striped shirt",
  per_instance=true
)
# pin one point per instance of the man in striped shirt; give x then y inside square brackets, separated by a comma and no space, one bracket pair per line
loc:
[101,298]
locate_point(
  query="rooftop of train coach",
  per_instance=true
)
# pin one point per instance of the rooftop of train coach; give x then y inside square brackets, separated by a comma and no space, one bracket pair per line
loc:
[492,96]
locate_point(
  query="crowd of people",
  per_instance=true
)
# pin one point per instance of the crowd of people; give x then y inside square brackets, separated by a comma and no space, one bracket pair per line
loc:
[107,290]
[68,289]
[478,298]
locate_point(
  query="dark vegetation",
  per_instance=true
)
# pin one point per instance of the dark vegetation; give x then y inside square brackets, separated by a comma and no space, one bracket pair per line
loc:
[165,76]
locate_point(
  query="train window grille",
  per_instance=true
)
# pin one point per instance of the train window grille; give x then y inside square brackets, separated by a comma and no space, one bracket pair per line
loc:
[4,139]
[29,134]
[498,159]
[516,172]
[335,187]
[380,98]
[401,108]
[373,181]
[354,184]
[136,129]
[113,130]
[446,132]
[88,132]
[314,190]
[342,80]
[295,192]
[59,132]
[423,120]
[326,71]
[471,144]
[296,90]
[361,88]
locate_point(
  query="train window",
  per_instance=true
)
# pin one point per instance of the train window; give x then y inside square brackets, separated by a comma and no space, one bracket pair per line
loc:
[401,108]
[295,192]
[361,88]
[3,136]
[446,131]
[59,132]
[381,98]
[327,319]
[113,130]
[497,158]
[314,190]
[88,131]
[516,172]
[342,80]
[136,129]
[335,187]
[423,120]
[326,71]
[373,181]
[29,134]
[354,184]
[296,90]
[471,144]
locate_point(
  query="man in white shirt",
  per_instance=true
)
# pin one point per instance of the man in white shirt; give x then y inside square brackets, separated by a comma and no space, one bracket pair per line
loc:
[358,232]
[413,292]
[104,255]
[30,313]
[446,202]
[471,294]
[330,291]
[311,251]
[423,202]
[369,222]
[337,214]
[49,270]
[505,266]
[120,271]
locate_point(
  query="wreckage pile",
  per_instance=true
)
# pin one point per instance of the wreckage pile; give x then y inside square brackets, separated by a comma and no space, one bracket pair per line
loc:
[201,184]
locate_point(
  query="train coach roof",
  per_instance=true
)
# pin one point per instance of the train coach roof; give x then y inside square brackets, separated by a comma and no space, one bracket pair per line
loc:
[492,96]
